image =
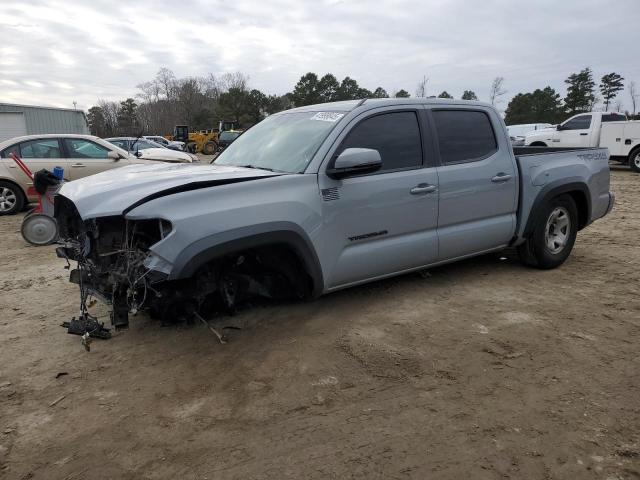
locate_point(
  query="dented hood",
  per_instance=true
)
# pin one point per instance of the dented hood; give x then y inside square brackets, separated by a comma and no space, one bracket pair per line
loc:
[115,191]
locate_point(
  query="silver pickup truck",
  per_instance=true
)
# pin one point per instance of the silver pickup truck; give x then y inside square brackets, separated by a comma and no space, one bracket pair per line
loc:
[323,197]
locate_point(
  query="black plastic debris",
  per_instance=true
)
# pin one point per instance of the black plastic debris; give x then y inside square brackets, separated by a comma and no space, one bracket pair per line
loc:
[87,324]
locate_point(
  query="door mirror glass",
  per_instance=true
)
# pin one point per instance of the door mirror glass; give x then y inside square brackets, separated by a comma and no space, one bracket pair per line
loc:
[353,161]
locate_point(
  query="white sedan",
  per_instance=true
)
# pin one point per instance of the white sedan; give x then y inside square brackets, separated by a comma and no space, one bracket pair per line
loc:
[150,150]
[172,144]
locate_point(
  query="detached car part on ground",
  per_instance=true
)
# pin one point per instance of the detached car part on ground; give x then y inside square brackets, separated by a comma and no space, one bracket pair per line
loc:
[321,198]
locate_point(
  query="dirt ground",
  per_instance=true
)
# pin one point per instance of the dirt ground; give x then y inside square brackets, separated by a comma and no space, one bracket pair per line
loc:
[484,369]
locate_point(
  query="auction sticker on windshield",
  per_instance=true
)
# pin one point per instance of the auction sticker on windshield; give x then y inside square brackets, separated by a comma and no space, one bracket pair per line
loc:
[328,116]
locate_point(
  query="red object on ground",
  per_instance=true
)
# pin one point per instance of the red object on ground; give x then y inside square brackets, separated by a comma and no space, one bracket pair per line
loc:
[30,190]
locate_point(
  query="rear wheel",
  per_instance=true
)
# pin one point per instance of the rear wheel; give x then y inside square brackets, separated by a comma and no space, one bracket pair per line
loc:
[634,160]
[11,198]
[553,236]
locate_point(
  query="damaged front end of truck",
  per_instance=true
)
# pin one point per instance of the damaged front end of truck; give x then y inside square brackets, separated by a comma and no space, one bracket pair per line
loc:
[114,264]
[110,254]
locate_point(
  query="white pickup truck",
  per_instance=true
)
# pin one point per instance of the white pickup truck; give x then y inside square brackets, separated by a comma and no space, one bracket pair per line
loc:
[596,129]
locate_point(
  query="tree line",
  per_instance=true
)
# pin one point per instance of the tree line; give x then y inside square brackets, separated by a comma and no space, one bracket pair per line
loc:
[201,102]
[546,105]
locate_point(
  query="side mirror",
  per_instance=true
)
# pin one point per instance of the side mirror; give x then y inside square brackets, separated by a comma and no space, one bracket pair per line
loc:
[113,155]
[559,127]
[354,161]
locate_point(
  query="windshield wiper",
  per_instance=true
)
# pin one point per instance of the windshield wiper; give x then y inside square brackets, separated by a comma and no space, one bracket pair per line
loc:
[257,168]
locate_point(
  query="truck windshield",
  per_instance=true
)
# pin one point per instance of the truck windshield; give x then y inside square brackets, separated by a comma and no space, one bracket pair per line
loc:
[281,143]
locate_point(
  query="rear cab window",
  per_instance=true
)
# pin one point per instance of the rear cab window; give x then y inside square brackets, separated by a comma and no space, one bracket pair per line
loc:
[464,135]
[395,135]
[613,117]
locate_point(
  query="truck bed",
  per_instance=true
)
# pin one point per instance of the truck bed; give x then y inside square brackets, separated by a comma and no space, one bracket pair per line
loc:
[549,171]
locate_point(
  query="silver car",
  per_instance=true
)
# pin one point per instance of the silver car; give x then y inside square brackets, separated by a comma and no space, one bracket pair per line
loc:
[324,197]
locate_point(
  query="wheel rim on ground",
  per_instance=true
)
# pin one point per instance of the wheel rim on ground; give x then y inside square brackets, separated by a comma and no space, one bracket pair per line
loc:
[557,230]
[39,229]
[8,199]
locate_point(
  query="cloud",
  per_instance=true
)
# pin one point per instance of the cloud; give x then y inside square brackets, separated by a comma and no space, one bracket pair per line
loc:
[57,52]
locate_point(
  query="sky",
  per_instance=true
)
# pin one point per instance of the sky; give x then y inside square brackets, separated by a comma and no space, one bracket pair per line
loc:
[59,52]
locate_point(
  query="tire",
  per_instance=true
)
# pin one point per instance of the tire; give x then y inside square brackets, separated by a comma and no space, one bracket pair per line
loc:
[39,229]
[11,198]
[209,148]
[634,160]
[191,147]
[553,236]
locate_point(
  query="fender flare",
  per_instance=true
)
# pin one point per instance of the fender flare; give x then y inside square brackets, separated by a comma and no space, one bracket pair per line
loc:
[223,243]
[550,191]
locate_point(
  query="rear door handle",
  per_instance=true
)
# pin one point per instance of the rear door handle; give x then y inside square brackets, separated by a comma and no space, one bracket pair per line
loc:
[500,178]
[78,165]
[584,134]
[423,188]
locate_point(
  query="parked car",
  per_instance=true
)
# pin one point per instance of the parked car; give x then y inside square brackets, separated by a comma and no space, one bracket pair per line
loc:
[227,137]
[518,132]
[324,197]
[143,148]
[516,141]
[595,129]
[172,144]
[79,155]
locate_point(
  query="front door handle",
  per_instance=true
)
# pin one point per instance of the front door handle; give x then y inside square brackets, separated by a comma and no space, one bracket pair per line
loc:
[423,188]
[78,165]
[584,134]
[500,178]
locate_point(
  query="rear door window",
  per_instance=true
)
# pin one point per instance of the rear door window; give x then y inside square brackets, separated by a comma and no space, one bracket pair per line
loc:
[464,135]
[42,148]
[396,136]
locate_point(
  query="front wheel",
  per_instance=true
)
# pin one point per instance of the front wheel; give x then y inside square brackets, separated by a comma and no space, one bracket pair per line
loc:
[209,148]
[634,160]
[553,236]
[11,199]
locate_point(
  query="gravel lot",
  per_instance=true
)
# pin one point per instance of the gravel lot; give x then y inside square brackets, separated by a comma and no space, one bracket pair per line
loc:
[484,369]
